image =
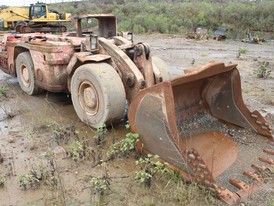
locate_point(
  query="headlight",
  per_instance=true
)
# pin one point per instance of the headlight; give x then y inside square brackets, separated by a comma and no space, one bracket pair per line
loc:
[93,42]
[130,36]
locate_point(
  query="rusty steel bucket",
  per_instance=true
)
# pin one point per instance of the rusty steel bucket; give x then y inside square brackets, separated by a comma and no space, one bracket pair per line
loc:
[167,116]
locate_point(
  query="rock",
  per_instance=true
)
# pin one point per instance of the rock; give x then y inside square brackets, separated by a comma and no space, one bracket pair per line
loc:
[59,152]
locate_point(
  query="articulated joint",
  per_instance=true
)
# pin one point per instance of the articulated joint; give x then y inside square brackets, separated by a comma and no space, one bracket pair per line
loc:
[141,48]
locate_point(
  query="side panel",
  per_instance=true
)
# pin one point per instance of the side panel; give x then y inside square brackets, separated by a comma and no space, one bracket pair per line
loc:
[50,60]
[6,60]
[50,69]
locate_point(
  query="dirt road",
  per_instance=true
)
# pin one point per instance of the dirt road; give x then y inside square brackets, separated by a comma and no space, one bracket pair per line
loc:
[35,130]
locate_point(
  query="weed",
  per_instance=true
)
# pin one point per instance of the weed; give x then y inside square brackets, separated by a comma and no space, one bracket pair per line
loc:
[4,91]
[128,143]
[2,181]
[100,135]
[28,181]
[63,134]
[79,150]
[100,184]
[143,177]
[150,166]
[75,150]
[262,71]
[42,174]
[46,173]
[124,146]
[241,51]
[113,151]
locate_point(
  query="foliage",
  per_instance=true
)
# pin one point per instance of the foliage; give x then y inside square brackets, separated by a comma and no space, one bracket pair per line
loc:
[124,146]
[2,181]
[28,180]
[62,134]
[150,166]
[100,184]
[262,71]
[42,174]
[241,51]
[4,91]
[178,17]
[100,135]
[79,150]
[75,150]
[128,143]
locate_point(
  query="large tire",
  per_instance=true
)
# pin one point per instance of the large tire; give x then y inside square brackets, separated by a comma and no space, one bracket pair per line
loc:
[98,94]
[162,66]
[25,73]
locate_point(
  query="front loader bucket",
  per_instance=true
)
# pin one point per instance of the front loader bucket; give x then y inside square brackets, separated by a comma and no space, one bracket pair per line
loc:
[173,119]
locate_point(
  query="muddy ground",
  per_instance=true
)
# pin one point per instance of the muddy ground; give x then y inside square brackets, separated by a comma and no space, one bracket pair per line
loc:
[36,132]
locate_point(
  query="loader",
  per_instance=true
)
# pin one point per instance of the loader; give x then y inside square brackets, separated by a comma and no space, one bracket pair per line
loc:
[105,70]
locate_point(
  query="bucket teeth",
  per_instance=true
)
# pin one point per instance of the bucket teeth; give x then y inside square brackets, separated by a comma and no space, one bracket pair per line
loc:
[271,143]
[267,160]
[239,184]
[245,190]
[270,152]
[227,196]
[261,168]
[253,175]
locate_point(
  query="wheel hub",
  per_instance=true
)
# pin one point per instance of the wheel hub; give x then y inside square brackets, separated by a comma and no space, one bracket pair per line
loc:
[88,98]
[25,76]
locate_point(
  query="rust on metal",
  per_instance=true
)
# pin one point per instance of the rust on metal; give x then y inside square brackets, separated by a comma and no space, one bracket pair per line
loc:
[267,160]
[95,58]
[252,175]
[214,89]
[261,168]
[127,67]
[227,196]
[267,151]
[142,60]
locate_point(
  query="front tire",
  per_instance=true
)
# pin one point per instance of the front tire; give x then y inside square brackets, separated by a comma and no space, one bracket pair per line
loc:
[98,94]
[25,74]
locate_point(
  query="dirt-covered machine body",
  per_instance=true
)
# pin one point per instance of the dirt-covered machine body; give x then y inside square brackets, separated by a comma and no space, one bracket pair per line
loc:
[104,71]
[61,63]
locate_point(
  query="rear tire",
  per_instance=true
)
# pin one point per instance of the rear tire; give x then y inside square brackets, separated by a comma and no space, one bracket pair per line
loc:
[98,94]
[162,66]
[25,74]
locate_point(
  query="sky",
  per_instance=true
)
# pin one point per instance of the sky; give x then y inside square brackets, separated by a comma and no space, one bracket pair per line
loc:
[28,2]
